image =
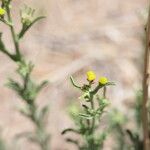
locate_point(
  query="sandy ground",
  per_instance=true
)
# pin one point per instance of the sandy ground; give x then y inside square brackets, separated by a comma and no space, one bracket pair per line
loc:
[76,36]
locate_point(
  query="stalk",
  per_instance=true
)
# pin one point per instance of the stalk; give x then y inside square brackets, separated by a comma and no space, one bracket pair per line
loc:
[13,33]
[145,87]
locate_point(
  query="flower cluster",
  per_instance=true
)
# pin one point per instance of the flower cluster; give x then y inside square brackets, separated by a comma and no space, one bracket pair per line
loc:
[91,76]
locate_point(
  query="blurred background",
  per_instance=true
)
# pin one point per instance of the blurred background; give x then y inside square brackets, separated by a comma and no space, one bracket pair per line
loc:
[76,36]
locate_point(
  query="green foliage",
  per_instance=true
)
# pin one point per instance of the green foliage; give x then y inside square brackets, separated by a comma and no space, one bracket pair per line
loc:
[2,144]
[138,108]
[117,121]
[87,118]
[127,139]
[28,19]
[27,89]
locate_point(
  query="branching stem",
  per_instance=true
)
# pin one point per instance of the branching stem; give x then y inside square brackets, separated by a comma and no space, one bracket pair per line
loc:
[14,35]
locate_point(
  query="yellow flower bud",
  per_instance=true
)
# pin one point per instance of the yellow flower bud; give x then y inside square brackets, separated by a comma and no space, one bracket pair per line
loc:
[2,11]
[103,80]
[91,76]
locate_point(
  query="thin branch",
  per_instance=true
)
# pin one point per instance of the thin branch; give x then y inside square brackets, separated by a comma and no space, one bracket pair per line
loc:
[14,35]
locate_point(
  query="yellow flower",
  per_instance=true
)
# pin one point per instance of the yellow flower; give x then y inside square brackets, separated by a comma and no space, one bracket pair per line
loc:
[91,76]
[103,80]
[2,11]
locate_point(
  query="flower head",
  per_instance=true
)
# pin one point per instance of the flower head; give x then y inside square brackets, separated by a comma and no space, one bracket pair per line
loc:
[2,11]
[103,80]
[91,76]
[27,15]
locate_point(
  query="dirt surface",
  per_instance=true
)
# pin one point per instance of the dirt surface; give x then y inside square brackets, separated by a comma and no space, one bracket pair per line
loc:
[77,35]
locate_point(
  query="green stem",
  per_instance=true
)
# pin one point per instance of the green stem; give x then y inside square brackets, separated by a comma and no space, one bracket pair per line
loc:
[39,127]
[5,22]
[104,92]
[14,35]
[93,120]
[92,126]
[13,57]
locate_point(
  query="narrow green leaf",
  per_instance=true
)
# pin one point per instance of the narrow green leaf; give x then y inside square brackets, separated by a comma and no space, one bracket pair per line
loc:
[26,28]
[69,130]
[74,84]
